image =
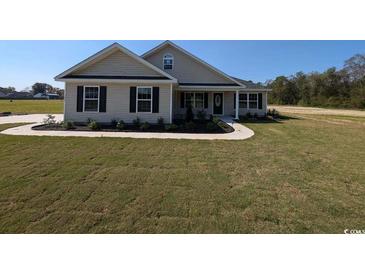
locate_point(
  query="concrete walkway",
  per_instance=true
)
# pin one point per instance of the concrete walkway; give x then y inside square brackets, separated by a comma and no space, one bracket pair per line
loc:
[240,132]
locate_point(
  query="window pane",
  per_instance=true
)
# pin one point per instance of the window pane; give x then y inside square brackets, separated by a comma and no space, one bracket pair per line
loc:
[144,93]
[199,100]
[91,92]
[253,101]
[144,106]
[189,99]
[253,97]
[91,105]
[167,66]
[243,100]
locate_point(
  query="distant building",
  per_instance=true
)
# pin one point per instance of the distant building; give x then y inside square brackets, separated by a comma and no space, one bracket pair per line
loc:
[48,96]
[19,95]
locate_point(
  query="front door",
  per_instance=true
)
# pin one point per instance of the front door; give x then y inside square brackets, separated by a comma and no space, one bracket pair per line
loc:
[218,103]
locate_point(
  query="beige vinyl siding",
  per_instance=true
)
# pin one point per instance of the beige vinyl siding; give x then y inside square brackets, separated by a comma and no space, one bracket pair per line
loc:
[117,105]
[186,69]
[116,64]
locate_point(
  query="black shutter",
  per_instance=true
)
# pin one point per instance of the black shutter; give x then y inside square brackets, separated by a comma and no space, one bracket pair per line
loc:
[80,99]
[260,100]
[234,101]
[182,100]
[155,99]
[102,99]
[205,99]
[132,99]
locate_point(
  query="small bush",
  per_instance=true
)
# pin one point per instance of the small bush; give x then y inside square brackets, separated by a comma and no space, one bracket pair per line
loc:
[190,125]
[93,125]
[211,117]
[248,115]
[215,120]
[201,115]
[211,126]
[171,127]
[189,116]
[275,113]
[160,121]
[145,126]
[137,122]
[113,123]
[50,120]
[120,125]
[255,116]
[68,125]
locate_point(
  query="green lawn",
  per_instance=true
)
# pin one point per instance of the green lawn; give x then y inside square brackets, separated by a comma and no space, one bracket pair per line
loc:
[302,175]
[32,106]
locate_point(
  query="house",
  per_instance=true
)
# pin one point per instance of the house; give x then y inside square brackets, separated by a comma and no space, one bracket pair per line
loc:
[19,95]
[49,96]
[117,84]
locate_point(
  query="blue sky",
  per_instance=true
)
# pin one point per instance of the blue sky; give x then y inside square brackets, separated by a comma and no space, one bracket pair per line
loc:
[23,63]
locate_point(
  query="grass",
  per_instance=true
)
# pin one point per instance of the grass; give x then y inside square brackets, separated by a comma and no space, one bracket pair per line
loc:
[31,106]
[303,175]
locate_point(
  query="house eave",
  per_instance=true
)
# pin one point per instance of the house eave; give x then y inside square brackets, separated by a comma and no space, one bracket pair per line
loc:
[116,81]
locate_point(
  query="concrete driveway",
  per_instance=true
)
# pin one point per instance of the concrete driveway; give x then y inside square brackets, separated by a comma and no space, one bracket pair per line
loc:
[240,132]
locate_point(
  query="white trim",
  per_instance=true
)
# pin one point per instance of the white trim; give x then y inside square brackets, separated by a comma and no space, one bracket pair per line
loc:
[148,53]
[144,99]
[222,104]
[163,61]
[109,49]
[68,80]
[92,99]
[171,104]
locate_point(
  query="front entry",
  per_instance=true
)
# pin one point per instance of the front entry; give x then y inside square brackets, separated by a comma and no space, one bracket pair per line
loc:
[218,103]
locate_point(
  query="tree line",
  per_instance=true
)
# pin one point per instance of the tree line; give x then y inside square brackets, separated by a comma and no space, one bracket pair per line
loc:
[343,88]
[43,88]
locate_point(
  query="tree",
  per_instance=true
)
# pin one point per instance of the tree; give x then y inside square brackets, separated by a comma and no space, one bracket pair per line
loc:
[40,88]
[355,67]
[7,90]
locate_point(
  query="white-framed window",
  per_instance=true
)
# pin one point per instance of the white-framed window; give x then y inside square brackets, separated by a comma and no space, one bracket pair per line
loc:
[253,101]
[91,98]
[194,99]
[243,100]
[144,99]
[168,61]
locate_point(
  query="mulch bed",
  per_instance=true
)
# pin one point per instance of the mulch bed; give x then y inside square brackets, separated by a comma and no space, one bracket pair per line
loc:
[199,127]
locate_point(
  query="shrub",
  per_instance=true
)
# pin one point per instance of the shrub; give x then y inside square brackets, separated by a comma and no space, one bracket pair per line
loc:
[201,115]
[68,125]
[160,121]
[211,117]
[50,120]
[211,126]
[171,127]
[190,125]
[215,120]
[275,113]
[113,123]
[255,116]
[248,115]
[145,126]
[137,122]
[189,116]
[120,125]
[93,125]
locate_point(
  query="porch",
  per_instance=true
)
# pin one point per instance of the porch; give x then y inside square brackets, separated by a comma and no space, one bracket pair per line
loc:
[219,102]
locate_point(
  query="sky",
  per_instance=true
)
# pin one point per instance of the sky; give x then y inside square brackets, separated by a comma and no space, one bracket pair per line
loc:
[22,63]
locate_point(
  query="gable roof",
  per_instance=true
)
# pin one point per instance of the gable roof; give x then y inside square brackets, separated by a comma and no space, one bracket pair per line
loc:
[252,85]
[105,51]
[166,43]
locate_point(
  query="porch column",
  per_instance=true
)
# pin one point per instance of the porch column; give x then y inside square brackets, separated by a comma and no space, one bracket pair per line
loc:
[237,104]
[170,104]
